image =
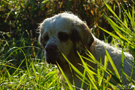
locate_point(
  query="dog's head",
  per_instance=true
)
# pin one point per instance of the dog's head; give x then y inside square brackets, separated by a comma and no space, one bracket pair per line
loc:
[64,33]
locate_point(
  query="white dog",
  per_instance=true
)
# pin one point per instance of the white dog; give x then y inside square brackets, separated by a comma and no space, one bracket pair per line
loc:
[66,33]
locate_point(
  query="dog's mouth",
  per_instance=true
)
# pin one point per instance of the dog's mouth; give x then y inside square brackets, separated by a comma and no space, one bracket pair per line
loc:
[52,57]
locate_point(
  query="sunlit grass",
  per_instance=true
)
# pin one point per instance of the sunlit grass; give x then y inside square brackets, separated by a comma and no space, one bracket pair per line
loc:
[37,75]
[33,72]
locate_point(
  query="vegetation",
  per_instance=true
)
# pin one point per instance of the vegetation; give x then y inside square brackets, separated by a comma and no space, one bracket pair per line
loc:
[22,62]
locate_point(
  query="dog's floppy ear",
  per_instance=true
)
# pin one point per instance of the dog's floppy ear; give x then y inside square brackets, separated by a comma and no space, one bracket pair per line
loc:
[82,37]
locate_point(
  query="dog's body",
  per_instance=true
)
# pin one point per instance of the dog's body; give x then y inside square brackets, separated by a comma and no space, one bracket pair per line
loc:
[66,33]
[116,55]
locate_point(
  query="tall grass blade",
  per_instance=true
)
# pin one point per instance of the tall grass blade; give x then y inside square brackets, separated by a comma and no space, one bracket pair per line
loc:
[133,18]
[100,78]
[83,79]
[45,1]
[122,57]
[114,13]
[8,73]
[18,68]
[48,76]
[113,35]
[41,86]
[106,63]
[21,80]
[75,69]
[112,64]
[34,72]
[91,77]
[117,28]
[52,82]
[65,77]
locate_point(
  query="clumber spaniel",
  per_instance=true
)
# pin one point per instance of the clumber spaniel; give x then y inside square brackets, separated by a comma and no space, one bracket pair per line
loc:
[66,33]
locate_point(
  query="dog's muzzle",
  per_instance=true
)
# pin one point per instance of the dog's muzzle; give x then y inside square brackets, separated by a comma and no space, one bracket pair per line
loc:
[51,53]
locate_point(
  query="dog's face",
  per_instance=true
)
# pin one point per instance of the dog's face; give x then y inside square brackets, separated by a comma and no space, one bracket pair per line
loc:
[64,33]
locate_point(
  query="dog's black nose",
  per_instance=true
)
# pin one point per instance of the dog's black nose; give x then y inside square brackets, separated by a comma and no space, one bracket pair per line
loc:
[50,48]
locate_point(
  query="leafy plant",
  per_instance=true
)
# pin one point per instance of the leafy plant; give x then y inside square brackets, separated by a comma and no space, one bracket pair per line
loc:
[124,29]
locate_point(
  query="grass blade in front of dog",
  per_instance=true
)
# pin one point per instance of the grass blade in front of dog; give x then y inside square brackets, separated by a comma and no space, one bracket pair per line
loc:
[67,81]
[113,65]
[75,69]
[90,74]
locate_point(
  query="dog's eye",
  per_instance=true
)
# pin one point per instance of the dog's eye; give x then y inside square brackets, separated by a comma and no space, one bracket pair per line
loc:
[63,36]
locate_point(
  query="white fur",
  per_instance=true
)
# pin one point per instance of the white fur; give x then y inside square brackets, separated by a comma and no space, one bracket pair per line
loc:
[98,50]
[69,23]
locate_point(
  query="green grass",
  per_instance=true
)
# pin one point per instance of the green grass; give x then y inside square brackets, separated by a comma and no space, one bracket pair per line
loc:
[37,75]
[22,64]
